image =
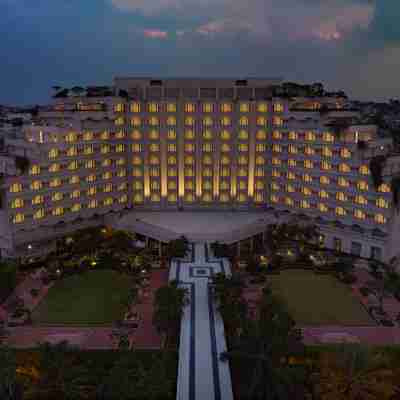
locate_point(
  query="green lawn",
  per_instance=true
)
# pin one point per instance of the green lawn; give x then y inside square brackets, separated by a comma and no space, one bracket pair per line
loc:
[90,298]
[315,299]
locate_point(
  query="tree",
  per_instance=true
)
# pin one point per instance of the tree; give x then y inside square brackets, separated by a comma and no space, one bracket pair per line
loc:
[354,372]
[177,248]
[10,389]
[169,303]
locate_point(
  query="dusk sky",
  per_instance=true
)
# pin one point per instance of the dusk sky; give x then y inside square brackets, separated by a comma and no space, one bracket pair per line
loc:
[352,45]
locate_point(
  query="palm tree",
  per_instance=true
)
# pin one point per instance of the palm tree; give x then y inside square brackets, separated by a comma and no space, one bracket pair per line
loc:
[352,373]
[169,302]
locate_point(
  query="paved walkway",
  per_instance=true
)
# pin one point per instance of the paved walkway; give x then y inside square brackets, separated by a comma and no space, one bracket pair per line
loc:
[201,375]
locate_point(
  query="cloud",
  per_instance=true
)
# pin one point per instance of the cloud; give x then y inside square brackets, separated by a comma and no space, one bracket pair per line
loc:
[155,34]
[274,19]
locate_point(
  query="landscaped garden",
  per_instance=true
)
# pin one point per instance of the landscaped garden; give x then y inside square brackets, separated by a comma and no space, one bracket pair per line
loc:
[94,297]
[315,299]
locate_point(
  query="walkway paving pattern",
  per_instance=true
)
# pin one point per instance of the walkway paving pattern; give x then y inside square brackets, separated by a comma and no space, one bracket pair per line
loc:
[201,374]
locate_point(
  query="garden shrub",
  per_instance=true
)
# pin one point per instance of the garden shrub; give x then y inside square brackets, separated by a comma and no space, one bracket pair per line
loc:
[8,279]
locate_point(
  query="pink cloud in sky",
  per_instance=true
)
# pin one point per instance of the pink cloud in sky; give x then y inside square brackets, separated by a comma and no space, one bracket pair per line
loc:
[155,34]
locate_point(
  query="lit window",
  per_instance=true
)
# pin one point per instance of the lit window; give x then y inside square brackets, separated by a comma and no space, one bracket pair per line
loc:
[278,107]
[154,147]
[207,160]
[277,135]
[384,188]
[152,107]
[75,194]
[242,160]
[154,171]
[207,197]
[207,185]
[242,172]
[155,197]
[138,185]
[306,191]
[135,107]
[345,153]
[189,147]
[189,197]
[225,171]
[361,200]
[119,107]
[90,164]
[225,148]
[92,203]
[172,198]
[243,135]
[74,179]
[288,201]
[328,137]
[72,151]
[340,196]
[17,203]
[380,219]
[91,178]
[225,160]
[71,137]
[243,121]
[154,134]
[171,107]
[277,121]
[326,151]
[224,197]
[309,151]
[207,107]
[225,135]
[259,185]
[189,160]
[290,188]
[171,160]
[292,149]
[324,180]
[137,172]
[259,171]
[261,134]
[276,173]
[76,207]
[307,178]
[382,203]
[120,134]
[243,147]
[226,107]
[260,160]
[242,198]
[304,204]
[154,121]
[136,160]
[189,134]
[36,185]
[107,201]
[171,185]
[189,121]
[344,168]
[362,185]
[91,191]
[343,182]
[225,121]
[53,153]
[207,147]
[37,200]
[308,164]
[34,170]
[359,214]
[276,161]
[105,135]
[18,218]
[262,107]
[260,147]
[325,165]
[291,176]
[259,197]
[105,148]
[323,194]
[189,171]
[244,107]
[120,121]
[276,148]
[274,186]
[108,188]
[322,207]
[171,121]
[190,107]
[123,199]
[189,185]
[136,121]
[138,198]
[171,135]
[57,196]
[136,135]
[262,121]
[121,173]
[58,211]
[309,136]
[38,214]
[136,148]
[364,170]
[88,135]
[207,134]
[88,149]
[340,211]
[15,188]
[293,135]
[107,175]
[274,199]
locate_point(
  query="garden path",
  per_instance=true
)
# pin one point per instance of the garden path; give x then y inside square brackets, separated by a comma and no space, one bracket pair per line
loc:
[201,374]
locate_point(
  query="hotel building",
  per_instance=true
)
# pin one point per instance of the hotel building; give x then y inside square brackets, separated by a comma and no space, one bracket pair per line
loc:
[197,144]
